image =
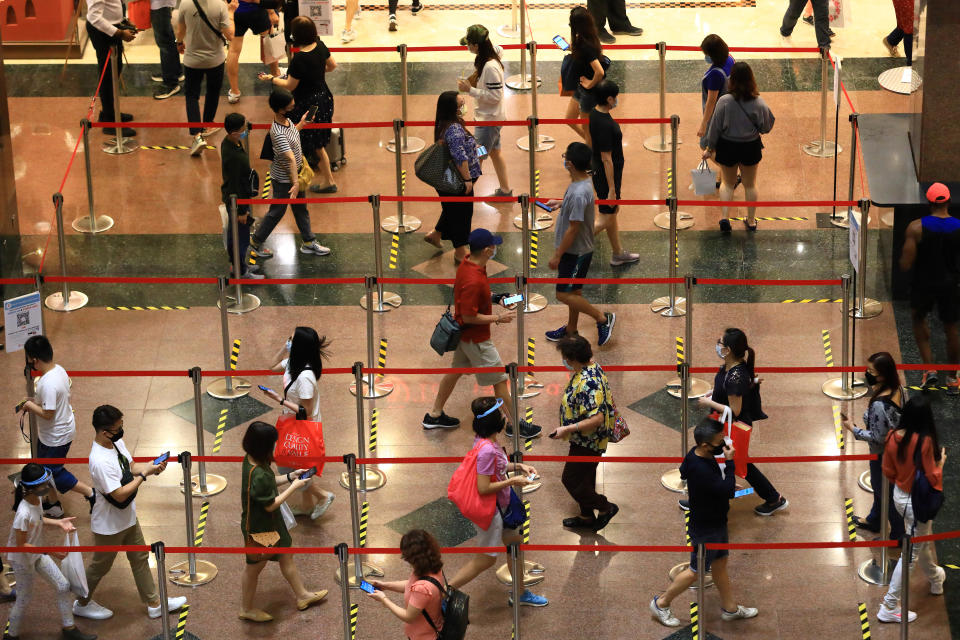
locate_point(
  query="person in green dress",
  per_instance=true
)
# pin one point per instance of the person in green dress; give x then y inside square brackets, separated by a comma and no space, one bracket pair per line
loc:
[262,523]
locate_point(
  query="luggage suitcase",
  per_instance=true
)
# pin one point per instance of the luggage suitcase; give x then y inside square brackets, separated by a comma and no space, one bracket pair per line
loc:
[335,150]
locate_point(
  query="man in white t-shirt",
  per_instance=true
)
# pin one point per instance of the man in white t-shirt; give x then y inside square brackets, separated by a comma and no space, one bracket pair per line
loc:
[114,519]
[56,426]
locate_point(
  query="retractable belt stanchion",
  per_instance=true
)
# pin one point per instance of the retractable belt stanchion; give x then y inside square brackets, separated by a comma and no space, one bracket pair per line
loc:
[381,300]
[701,587]
[823,148]
[341,552]
[399,223]
[510,30]
[360,569]
[523,81]
[118,145]
[870,571]
[373,386]
[695,387]
[158,552]
[204,484]
[239,302]
[193,572]
[661,143]
[842,219]
[31,418]
[865,307]
[522,392]
[844,387]
[670,306]
[671,479]
[92,223]
[906,552]
[527,220]
[368,478]
[408,144]
[64,300]
[540,142]
[532,302]
[229,387]
[664,220]
[516,562]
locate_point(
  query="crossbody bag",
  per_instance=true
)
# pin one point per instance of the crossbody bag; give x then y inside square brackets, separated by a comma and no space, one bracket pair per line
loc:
[126,477]
[206,21]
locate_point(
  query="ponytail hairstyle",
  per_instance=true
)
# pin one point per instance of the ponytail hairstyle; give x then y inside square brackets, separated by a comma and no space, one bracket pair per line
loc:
[883,362]
[32,475]
[917,419]
[485,53]
[736,341]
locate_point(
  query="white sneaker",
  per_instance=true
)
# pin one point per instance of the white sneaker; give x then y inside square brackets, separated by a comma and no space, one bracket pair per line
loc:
[196,148]
[623,258]
[742,613]
[233,98]
[92,610]
[358,14]
[663,616]
[893,615]
[348,35]
[172,605]
[315,248]
[936,585]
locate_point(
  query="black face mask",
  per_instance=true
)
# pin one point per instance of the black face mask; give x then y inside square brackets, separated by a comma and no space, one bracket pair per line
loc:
[718,450]
[870,378]
[114,437]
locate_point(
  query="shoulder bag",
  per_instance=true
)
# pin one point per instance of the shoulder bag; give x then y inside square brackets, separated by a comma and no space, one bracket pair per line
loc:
[126,477]
[462,491]
[435,167]
[925,500]
[206,21]
[446,335]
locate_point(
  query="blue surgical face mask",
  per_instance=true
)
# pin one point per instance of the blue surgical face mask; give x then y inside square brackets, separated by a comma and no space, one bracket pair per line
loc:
[244,134]
[708,59]
[563,161]
[494,254]
[567,364]
[719,350]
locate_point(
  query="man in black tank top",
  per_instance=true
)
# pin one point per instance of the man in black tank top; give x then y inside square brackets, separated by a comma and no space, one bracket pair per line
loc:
[932,249]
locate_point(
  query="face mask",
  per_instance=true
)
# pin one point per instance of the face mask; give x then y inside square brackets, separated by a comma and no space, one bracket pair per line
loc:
[244,134]
[463,110]
[494,254]
[615,103]
[708,59]
[116,436]
[567,365]
[563,161]
[870,378]
[720,351]
[718,450]
[289,344]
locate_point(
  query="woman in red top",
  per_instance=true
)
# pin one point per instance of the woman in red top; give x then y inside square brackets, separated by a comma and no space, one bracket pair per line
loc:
[421,597]
[916,429]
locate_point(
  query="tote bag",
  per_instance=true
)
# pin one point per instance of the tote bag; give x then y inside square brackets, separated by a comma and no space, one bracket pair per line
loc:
[463,491]
[434,166]
[300,444]
[739,433]
[704,180]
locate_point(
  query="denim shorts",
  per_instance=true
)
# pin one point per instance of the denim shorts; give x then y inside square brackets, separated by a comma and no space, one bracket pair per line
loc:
[585,99]
[488,137]
[716,536]
[63,479]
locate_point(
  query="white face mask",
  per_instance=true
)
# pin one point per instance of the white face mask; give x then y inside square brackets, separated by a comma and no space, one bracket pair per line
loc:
[720,351]
[494,254]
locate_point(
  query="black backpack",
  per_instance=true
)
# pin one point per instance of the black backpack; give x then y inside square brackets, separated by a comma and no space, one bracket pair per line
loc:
[454,604]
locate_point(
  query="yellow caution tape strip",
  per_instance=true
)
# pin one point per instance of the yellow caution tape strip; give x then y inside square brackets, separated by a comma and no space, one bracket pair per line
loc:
[374,419]
[686,527]
[235,355]
[534,249]
[838,426]
[382,357]
[827,349]
[918,388]
[952,566]
[364,515]
[680,356]
[811,300]
[267,181]
[394,250]
[525,527]
[403,181]
[528,416]
[201,524]
[670,193]
[864,621]
[170,147]
[182,622]
[148,308]
[530,381]
[354,614]
[851,528]
[694,621]
[221,425]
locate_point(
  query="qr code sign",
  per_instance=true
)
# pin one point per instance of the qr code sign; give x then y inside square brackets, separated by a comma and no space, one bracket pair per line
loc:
[23,318]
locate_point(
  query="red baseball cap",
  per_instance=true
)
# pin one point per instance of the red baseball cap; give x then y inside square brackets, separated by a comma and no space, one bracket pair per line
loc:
[938,192]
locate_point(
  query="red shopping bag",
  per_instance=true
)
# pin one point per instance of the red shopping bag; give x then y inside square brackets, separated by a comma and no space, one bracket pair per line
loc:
[463,491]
[739,433]
[138,12]
[300,443]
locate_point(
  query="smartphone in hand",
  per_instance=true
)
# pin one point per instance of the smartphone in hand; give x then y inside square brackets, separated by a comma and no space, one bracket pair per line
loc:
[366,586]
[512,299]
[163,458]
[542,206]
[312,112]
[309,473]
[264,389]
[562,44]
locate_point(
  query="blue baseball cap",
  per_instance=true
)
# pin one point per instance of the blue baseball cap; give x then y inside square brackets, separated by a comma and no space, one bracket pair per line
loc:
[481,239]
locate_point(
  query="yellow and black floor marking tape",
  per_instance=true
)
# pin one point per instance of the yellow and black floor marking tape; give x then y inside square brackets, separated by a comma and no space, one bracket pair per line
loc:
[811,300]
[382,356]
[694,621]
[364,515]
[169,147]
[235,354]
[403,181]
[525,527]
[374,419]
[354,614]
[952,566]
[201,523]
[838,426]
[528,416]
[394,250]
[778,218]
[221,425]
[864,621]
[531,382]
[182,622]
[160,308]
[679,350]
[914,387]
[536,183]
[670,193]
[851,528]
[827,349]
[534,249]
[267,181]
[686,527]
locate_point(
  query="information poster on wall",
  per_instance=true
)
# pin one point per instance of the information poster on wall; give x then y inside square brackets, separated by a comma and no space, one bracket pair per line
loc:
[321,12]
[23,319]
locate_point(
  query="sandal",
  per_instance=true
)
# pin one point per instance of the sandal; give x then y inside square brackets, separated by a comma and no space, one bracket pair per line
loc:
[747,225]
[435,243]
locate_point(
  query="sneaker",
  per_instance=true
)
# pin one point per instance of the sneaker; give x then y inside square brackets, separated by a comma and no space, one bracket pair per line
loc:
[358,15]
[629,31]
[892,50]
[196,147]
[209,131]
[348,35]
[742,613]
[556,334]
[252,275]
[91,610]
[663,616]
[233,98]
[416,8]
[315,248]
[528,599]
[605,36]
[528,430]
[623,258]
[605,329]
[893,615]
[127,132]
[684,505]
[953,386]
[172,605]
[936,585]
[261,252]
[330,188]
[500,193]
[392,25]
[808,20]
[75,634]
[159,78]
[929,379]
[443,421]
[767,509]
[163,91]
[54,510]
[322,507]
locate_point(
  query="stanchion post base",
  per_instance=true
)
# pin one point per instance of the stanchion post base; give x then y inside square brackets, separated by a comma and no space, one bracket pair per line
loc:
[660,145]
[544,143]
[508,31]
[696,388]
[684,220]
[671,481]
[535,223]
[871,309]
[391,224]
[369,570]
[375,479]
[891,80]
[239,387]
[707,579]
[534,302]
[828,150]
[390,300]
[528,488]
[100,224]
[413,144]
[871,573]
[127,145]
[521,83]
[662,306]
[176,635]
[380,389]
[887,218]
[865,481]
[180,573]
[532,573]
[246,304]
[215,484]
[833,388]
[77,300]
[11,578]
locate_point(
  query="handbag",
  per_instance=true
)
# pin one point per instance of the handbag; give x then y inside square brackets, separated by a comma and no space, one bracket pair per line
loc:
[72,567]
[515,513]
[462,491]
[446,335]
[304,177]
[704,179]
[138,13]
[273,45]
[435,167]
[619,429]
[925,500]
[739,434]
[263,538]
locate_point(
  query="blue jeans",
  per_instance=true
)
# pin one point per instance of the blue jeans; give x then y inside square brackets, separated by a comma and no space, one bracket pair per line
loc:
[162,22]
[61,477]
[894,517]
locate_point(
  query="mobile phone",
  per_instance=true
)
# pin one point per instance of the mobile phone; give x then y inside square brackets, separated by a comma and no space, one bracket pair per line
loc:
[481,151]
[264,389]
[513,299]
[309,473]
[542,205]
[532,477]
[20,405]
[743,492]
[163,458]
[366,586]
[561,43]
[312,112]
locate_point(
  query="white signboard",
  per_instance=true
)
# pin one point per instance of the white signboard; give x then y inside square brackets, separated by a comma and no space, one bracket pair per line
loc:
[854,219]
[321,12]
[23,319]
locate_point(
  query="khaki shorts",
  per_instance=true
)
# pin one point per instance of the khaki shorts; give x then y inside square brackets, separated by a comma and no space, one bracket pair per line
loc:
[480,354]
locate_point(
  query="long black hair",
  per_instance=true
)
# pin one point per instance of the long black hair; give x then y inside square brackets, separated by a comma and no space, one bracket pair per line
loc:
[883,362]
[448,113]
[736,340]
[917,419]
[485,52]
[307,351]
[30,473]
[583,31]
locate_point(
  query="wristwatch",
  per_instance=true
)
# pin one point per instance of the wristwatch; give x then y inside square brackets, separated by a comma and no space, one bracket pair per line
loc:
[142,475]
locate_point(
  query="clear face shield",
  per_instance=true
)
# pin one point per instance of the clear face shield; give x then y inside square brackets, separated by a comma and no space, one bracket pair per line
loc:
[40,487]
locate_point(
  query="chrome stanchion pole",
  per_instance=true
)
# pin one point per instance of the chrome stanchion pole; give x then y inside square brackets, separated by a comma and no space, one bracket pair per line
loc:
[369,478]
[408,144]
[671,480]
[400,223]
[526,217]
[158,552]
[532,302]
[540,143]
[523,81]
[361,569]
[696,388]
[516,563]
[906,553]
[661,143]
[117,145]
[510,30]
[870,571]
[865,307]
[519,282]
[92,223]
[229,387]
[822,148]
[666,220]
[204,484]
[842,219]
[844,387]
[670,306]
[374,386]
[193,572]
[64,300]
[382,300]
[701,584]
[240,302]
[31,418]
[341,552]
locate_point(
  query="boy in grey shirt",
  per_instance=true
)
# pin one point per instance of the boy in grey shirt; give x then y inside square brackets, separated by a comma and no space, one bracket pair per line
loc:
[574,245]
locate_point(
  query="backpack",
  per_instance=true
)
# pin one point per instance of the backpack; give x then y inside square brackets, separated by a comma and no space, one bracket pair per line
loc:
[454,604]
[925,500]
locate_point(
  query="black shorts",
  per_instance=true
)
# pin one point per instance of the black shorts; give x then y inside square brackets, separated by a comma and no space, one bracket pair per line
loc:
[716,536]
[585,99]
[573,266]
[257,21]
[730,153]
[923,299]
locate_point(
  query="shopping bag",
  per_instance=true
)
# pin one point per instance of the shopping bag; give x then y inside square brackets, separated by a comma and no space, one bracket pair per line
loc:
[463,492]
[138,13]
[300,443]
[289,520]
[704,179]
[739,434]
[72,567]
[838,12]
[273,47]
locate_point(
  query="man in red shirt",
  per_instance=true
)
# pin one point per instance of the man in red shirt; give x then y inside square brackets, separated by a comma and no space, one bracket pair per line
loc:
[473,310]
